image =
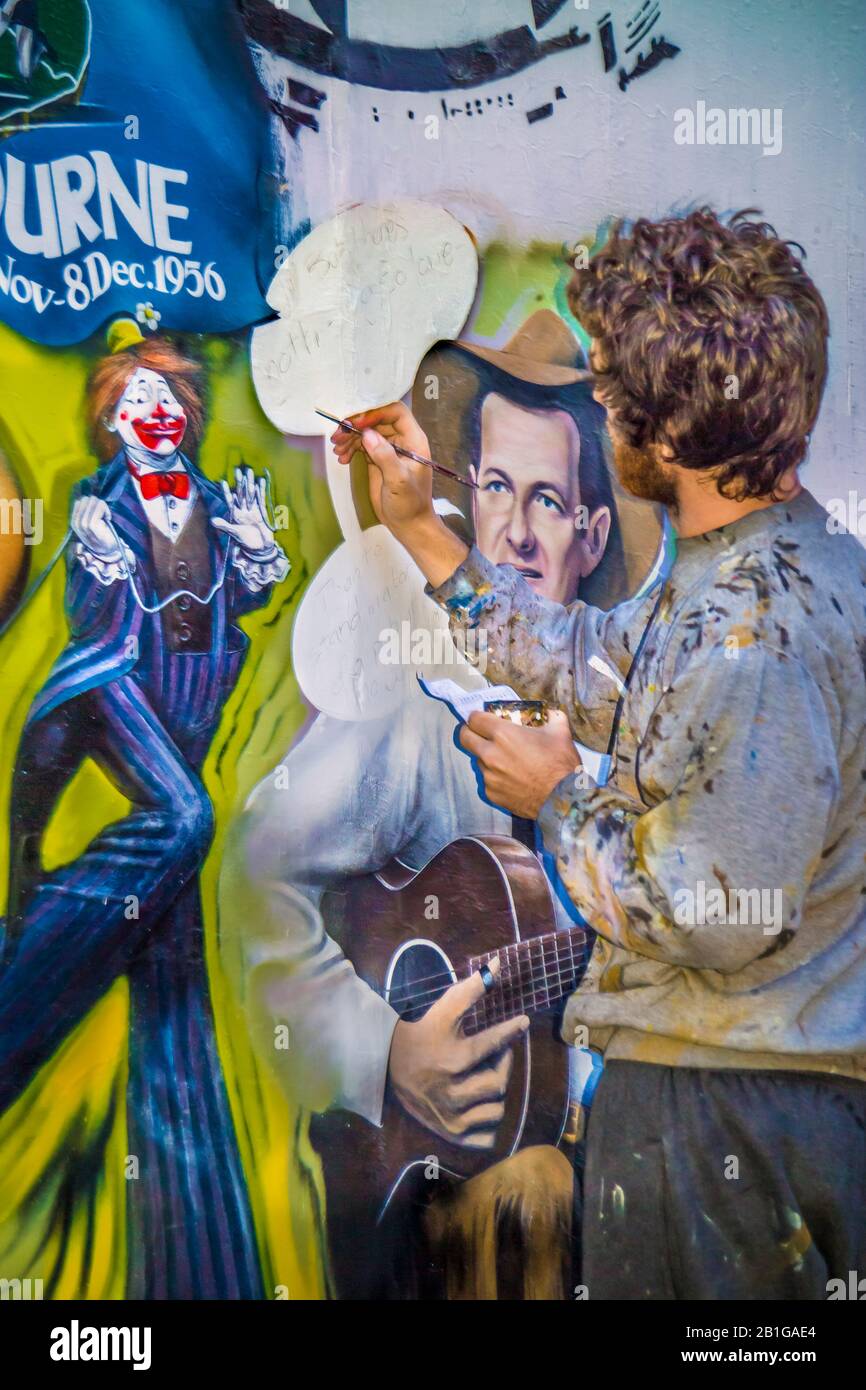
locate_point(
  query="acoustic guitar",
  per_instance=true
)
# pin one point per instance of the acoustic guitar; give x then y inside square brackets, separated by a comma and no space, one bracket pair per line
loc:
[410,935]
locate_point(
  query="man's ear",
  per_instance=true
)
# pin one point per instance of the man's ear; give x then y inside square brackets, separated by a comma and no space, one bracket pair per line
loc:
[109,425]
[595,540]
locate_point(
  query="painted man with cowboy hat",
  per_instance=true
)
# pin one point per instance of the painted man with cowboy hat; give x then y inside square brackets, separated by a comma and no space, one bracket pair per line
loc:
[522,420]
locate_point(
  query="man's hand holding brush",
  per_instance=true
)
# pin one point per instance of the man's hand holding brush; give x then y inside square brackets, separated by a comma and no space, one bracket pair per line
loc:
[401,490]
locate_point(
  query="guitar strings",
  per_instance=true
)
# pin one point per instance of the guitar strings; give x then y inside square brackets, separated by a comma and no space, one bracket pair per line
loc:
[512,982]
[501,1011]
[577,933]
[550,958]
[510,978]
[491,1009]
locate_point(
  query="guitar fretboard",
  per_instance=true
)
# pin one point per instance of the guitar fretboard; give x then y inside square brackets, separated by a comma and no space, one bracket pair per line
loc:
[533,975]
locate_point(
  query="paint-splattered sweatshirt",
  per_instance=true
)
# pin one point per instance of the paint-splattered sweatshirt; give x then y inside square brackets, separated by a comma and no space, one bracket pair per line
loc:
[723,866]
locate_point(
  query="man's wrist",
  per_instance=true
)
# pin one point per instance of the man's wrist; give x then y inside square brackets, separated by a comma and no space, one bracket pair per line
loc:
[436,550]
[559,803]
[421,530]
[565,769]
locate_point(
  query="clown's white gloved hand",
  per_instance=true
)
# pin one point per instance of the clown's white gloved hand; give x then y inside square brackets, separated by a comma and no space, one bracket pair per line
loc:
[90,522]
[248,521]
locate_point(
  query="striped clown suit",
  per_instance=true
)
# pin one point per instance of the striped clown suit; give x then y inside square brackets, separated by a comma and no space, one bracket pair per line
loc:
[141,693]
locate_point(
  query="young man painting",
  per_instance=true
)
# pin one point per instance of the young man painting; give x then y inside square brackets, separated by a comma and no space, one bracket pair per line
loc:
[722,866]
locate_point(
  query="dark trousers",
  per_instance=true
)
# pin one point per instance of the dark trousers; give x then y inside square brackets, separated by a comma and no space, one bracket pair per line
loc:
[130,905]
[701,1184]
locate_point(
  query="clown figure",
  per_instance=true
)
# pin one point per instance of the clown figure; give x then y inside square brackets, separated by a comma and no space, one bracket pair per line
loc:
[160,566]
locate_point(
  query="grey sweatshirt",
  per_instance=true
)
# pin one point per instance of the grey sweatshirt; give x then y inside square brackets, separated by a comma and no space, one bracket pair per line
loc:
[724,864]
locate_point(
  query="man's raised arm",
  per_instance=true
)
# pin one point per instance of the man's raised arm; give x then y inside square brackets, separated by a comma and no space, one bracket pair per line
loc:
[573,657]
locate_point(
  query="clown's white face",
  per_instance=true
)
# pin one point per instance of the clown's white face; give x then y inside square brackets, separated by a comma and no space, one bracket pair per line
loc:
[148,414]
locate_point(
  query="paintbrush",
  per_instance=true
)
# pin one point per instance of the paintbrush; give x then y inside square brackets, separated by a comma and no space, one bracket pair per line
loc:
[405,453]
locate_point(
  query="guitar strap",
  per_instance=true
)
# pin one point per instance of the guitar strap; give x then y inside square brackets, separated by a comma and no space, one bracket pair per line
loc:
[523,829]
[617,714]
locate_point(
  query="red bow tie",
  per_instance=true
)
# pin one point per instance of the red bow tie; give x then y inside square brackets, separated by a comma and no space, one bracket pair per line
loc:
[161,484]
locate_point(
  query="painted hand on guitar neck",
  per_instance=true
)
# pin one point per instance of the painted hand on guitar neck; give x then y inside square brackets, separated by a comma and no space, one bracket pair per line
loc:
[520,766]
[454,1084]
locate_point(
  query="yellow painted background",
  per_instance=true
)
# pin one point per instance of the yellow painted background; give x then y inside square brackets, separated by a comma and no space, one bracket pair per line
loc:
[63,1144]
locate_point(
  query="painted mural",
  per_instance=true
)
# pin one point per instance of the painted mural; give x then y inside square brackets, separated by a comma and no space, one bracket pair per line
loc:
[216,666]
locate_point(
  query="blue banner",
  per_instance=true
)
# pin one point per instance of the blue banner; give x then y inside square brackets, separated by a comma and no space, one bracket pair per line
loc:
[133,132]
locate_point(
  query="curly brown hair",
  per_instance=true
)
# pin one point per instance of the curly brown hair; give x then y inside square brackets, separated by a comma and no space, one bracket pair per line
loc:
[109,378]
[681,309]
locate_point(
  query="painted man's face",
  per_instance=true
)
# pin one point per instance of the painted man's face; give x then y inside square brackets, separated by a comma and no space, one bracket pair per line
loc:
[527,508]
[149,415]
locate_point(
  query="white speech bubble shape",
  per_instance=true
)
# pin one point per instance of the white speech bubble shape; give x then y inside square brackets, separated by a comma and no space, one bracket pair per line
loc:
[369,586]
[361,300]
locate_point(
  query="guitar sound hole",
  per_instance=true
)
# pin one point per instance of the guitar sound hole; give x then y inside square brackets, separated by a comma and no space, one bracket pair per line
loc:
[419,974]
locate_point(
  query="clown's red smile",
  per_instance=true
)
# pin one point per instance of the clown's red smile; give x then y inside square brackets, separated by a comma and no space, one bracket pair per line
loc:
[159,425]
